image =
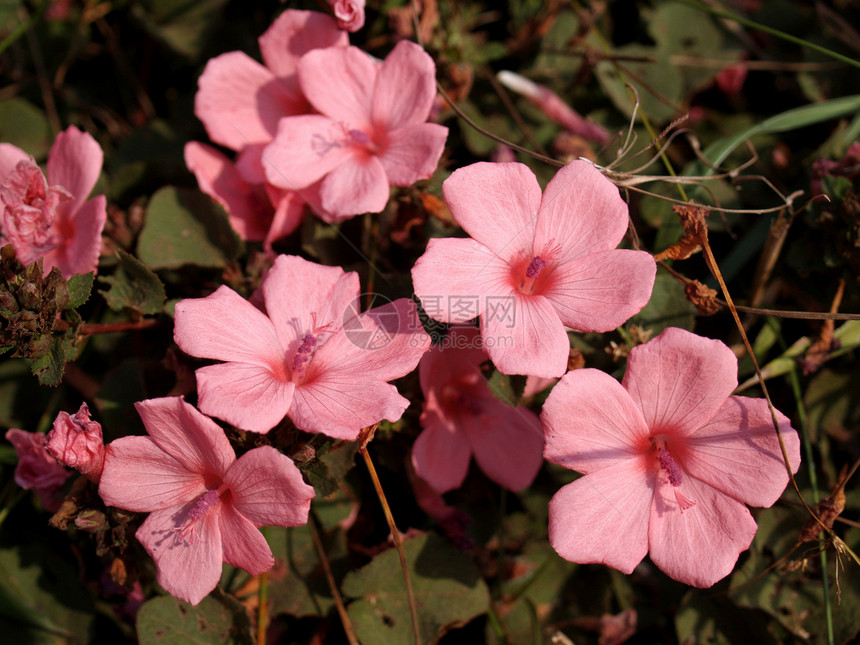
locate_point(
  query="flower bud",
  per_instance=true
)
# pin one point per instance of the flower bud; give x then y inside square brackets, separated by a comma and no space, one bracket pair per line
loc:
[77,442]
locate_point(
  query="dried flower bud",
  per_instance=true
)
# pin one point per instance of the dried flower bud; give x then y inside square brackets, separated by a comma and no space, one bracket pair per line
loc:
[77,442]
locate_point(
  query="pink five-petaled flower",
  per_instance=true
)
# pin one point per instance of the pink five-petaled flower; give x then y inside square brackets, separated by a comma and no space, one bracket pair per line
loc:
[533,265]
[670,461]
[349,14]
[462,418]
[205,505]
[240,102]
[371,132]
[52,218]
[76,441]
[312,356]
[37,470]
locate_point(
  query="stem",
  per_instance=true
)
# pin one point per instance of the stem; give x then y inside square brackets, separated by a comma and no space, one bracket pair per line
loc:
[263,608]
[332,585]
[88,329]
[366,436]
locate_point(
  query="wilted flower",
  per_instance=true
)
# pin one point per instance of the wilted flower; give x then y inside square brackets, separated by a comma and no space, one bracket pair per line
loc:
[76,441]
[50,218]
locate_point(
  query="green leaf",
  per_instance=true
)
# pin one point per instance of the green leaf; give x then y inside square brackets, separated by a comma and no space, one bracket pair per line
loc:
[41,597]
[186,227]
[507,388]
[658,83]
[793,119]
[49,366]
[668,307]
[80,287]
[134,286]
[25,126]
[448,590]
[168,621]
[297,584]
[182,25]
[709,618]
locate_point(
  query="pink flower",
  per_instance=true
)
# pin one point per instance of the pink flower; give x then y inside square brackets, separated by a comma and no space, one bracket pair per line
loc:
[534,265]
[312,356]
[241,102]
[370,133]
[37,470]
[670,460]
[554,107]
[349,14]
[204,504]
[76,441]
[462,418]
[51,218]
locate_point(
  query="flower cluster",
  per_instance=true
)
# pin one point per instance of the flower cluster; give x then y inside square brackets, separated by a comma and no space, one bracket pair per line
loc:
[670,458]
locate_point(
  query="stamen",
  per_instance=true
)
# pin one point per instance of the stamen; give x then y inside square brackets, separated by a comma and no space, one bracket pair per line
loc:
[303,355]
[203,503]
[535,267]
[669,466]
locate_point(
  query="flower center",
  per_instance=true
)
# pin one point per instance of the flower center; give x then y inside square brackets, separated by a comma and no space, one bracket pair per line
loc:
[303,356]
[672,473]
[202,505]
[533,271]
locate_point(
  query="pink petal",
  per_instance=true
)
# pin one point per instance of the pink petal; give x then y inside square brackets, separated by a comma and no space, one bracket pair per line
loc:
[139,476]
[497,204]
[188,567]
[412,153]
[599,292]
[268,489]
[80,252]
[700,545]
[185,434]
[246,395]
[293,34]
[581,213]
[249,163]
[679,380]
[345,387]
[303,296]
[336,405]
[507,442]
[405,87]
[217,177]
[737,452]
[591,423]
[244,546]
[240,101]
[523,335]
[305,149]
[358,185]
[382,344]
[226,327]
[289,213]
[74,163]
[339,83]
[461,352]
[602,518]
[456,278]
[9,157]
[440,454]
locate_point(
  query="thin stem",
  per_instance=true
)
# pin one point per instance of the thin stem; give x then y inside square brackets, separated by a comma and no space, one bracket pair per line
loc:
[395,534]
[88,329]
[332,585]
[263,608]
